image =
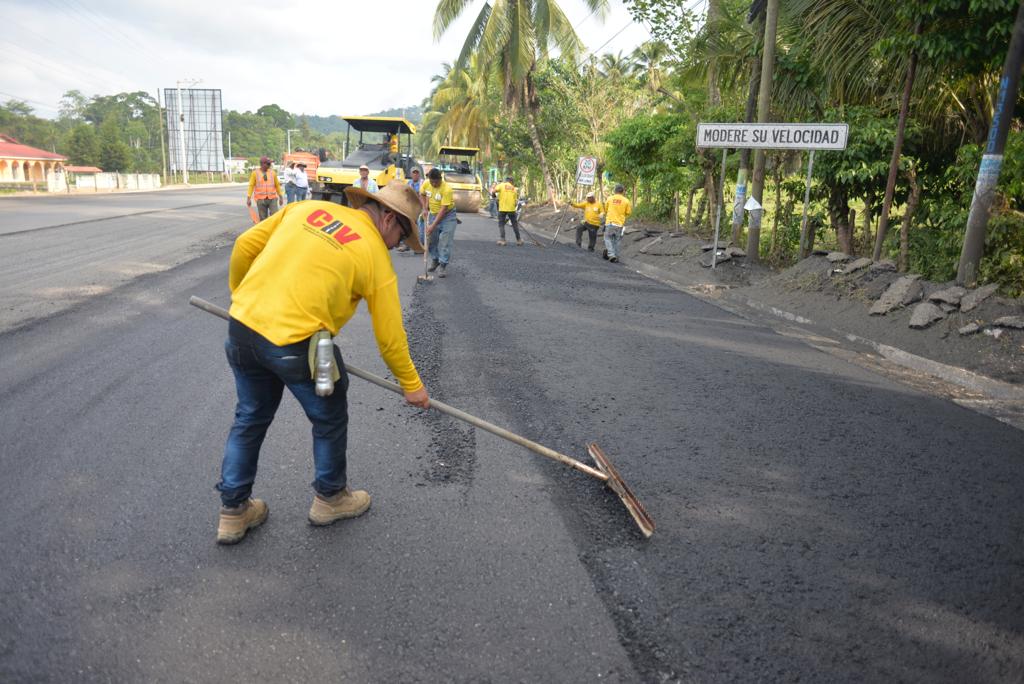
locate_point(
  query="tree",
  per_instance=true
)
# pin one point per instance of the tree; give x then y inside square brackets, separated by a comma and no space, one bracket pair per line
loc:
[114,154]
[511,36]
[83,146]
[278,117]
[72,106]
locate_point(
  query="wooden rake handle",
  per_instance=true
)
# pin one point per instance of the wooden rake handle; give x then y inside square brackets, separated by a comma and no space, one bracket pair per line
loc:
[443,408]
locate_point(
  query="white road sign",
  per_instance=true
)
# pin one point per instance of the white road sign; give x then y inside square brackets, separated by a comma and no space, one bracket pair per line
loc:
[752,204]
[773,136]
[586,169]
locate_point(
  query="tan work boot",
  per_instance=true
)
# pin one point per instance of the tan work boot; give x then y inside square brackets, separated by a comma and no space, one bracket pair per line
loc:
[502,243]
[344,504]
[236,522]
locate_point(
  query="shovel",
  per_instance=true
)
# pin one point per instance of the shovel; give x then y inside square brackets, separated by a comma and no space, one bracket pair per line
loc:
[605,471]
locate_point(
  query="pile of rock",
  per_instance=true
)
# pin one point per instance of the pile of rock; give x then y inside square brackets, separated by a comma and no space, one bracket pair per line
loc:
[938,305]
[719,253]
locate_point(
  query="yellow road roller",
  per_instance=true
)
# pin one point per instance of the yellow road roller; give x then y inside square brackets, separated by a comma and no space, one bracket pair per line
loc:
[463,175]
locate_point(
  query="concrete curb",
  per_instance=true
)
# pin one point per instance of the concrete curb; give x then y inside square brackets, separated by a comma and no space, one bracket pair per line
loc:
[718,295]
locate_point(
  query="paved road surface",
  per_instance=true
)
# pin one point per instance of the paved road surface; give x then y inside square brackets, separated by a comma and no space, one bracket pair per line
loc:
[57,252]
[816,522]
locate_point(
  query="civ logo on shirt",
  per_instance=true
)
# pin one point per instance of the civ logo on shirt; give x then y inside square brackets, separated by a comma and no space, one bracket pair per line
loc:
[328,224]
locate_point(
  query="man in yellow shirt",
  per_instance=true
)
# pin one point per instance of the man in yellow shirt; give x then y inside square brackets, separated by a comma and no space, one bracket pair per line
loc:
[508,201]
[265,188]
[616,210]
[302,271]
[592,212]
[441,220]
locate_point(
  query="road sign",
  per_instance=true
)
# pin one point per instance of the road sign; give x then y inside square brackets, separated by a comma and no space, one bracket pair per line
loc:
[752,205]
[586,169]
[773,136]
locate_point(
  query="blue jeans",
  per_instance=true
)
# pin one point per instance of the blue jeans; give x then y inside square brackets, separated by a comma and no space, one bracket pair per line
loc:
[612,235]
[422,226]
[299,194]
[262,370]
[492,208]
[289,192]
[441,239]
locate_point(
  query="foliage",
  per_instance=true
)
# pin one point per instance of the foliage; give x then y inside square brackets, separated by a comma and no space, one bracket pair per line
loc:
[82,146]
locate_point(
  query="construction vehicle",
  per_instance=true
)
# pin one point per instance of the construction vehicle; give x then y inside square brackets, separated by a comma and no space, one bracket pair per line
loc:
[379,146]
[462,173]
[310,159]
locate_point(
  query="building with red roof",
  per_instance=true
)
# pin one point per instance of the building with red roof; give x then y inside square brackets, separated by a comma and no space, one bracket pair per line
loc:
[24,163]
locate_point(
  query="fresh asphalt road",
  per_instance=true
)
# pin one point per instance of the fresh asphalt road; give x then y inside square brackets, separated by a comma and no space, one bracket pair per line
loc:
[58,252]
[815,521]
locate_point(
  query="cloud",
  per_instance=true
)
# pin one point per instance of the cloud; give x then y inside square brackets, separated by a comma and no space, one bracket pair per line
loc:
[308,57]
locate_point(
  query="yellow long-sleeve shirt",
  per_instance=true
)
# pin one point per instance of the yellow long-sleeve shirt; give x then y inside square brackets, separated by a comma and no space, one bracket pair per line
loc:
[591,212]
[306,267]
[617,209]
[508,196]
[252,181]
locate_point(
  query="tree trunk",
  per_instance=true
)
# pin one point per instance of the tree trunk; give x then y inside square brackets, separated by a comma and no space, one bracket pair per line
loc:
[764,99]
[689,209]
[750,111]
[915,197]
[897,149]
[711,23]
[773,243]
[699,218]
[531,121]
[839,215]
[868,222]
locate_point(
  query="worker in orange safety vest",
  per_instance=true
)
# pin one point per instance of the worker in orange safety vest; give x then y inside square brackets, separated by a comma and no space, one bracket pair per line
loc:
[265,188]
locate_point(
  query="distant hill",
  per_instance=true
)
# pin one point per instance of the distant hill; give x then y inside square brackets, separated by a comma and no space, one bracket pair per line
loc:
[335,124]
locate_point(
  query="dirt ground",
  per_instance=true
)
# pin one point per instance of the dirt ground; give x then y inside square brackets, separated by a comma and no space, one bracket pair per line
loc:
[814,290]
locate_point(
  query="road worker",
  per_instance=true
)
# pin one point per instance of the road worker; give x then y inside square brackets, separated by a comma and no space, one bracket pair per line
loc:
[265,188]
[616,210]
[508,201]
[592,213]
[296,278]
[442,220]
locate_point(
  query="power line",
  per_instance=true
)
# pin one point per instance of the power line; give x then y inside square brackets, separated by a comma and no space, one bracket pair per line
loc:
[101,26]
[82,56]
[592,13]
[38,61]
[30,101]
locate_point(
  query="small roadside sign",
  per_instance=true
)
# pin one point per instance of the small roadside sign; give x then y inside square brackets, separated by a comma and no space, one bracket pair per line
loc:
[586,170]
[752,205]
[773,136]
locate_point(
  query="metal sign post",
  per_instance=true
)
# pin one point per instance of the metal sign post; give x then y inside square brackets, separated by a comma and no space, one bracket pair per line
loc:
[773,136]
[720,208]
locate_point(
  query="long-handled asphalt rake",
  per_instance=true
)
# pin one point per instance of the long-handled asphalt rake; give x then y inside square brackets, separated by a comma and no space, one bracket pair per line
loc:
[426,277]
[605,471]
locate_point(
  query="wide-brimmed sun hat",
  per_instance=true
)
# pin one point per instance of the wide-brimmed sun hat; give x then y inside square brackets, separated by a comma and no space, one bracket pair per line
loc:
[397,196]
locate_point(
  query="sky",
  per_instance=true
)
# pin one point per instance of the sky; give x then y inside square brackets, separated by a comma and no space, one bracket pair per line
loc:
[322,58]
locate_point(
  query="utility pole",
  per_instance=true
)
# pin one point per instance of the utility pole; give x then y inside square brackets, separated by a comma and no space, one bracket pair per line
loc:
[163,153]
[992,160]
[764,102]
[181,130]
[288,133]
[229,145]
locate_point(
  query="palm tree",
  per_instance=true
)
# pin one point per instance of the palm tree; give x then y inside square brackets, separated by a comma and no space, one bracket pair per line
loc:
[511,36]
[459,107]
